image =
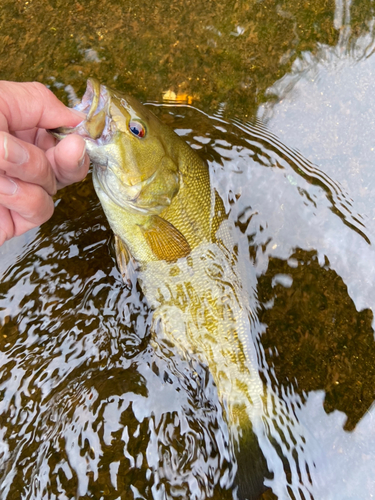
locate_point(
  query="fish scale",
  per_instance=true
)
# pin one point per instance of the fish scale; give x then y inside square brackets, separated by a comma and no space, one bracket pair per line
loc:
[197,298]
[205,316]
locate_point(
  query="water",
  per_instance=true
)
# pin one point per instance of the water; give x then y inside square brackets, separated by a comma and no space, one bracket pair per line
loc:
[95,402]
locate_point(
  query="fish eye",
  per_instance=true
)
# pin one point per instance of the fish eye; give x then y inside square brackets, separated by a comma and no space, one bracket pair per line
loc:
[137,129]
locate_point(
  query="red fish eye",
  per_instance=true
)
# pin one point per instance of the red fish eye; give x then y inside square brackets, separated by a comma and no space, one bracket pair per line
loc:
[137,129]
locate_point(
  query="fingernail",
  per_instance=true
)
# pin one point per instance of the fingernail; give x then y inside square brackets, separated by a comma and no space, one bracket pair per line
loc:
[81,161]
[7,186]
[14,152]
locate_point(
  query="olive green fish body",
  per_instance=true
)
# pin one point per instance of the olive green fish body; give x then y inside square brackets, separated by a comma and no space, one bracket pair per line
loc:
[156,194]
[172,232]
[199,303]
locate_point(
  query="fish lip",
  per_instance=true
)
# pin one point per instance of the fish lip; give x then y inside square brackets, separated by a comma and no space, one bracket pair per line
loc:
[93,100]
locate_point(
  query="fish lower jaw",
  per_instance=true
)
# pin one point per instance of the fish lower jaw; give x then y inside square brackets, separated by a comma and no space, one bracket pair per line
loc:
[107,197]
[129,203]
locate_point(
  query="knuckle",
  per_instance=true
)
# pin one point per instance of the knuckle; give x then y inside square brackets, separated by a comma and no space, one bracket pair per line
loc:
[37,165]
[40,172]
[40,207]
[40,88]
[36,172]
[33,210]
[47,214]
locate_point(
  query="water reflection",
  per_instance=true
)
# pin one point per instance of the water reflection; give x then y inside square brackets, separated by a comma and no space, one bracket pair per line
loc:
[92,405]
[89,406]
[96,401]
[325,108]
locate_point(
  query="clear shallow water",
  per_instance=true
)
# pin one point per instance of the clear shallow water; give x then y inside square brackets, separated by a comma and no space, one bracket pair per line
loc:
[95,406]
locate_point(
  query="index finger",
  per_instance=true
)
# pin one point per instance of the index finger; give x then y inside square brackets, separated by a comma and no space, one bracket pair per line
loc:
[24,106]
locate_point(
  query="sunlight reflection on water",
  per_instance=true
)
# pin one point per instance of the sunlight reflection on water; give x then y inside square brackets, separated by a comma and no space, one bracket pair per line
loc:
[93,404]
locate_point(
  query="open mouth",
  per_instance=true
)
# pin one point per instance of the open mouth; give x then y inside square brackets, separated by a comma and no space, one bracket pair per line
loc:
[94,105]
[93,100]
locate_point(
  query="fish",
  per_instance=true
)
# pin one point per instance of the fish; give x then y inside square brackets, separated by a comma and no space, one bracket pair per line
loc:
[173,236]
[171,229]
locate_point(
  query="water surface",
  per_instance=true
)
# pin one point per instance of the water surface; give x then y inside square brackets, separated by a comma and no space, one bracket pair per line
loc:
[92,405]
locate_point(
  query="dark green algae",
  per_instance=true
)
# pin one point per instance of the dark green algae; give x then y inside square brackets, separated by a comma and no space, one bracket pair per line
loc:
[213,51]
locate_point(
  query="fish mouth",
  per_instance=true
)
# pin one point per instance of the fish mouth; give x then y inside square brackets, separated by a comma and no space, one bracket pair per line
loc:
[91,99]
[94,104]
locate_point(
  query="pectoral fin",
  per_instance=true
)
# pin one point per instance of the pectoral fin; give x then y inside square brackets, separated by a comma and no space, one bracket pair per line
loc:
[165,241]
[125,262]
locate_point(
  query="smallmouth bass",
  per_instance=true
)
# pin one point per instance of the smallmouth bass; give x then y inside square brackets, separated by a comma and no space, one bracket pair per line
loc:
[156,194]
[171,232]
[154,189]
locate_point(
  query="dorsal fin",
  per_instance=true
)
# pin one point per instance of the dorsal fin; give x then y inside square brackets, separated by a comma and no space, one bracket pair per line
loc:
[165,241]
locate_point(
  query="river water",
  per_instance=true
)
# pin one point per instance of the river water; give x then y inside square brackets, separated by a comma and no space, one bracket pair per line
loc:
[278,98]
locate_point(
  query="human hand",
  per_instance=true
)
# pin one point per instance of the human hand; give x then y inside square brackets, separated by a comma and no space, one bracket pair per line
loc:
[32,166]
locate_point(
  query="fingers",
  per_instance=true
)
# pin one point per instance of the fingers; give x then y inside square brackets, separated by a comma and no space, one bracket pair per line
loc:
[43,139]
[22,207]
[32,167]
[6,225]
[69,160]
[26,162]
[29,105]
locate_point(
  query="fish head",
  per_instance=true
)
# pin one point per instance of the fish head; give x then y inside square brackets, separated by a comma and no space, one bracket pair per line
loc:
[154,189]
[135,164]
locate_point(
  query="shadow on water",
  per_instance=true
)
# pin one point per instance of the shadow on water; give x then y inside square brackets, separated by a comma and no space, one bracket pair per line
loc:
[93,405]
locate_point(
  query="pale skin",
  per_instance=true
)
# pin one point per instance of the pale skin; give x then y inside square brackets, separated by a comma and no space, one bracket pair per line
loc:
[33,166]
